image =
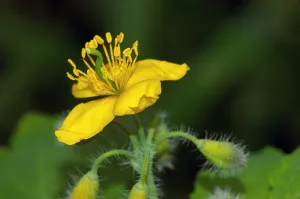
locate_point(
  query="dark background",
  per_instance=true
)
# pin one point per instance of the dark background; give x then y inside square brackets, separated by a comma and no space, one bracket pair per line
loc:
[244,59]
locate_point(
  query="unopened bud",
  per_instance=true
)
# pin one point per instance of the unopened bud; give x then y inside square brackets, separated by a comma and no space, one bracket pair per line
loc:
[224,157]
[138,191]
[87,187]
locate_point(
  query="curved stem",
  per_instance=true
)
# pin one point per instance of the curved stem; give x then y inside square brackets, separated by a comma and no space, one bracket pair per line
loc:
[108,154]
[182,134]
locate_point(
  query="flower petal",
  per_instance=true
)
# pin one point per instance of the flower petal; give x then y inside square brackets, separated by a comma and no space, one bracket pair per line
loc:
[85,88]
[138,97]
[155,69]
[86,120]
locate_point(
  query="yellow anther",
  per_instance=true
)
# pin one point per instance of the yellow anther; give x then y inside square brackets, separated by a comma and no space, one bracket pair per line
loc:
[127,52]
[72,63]
[121,37]
[135,47]
[117,51]
[91,74]
[135,44]
[108,37]
[83,53]
[76,72]
[93,44]
[71,77]
[87,45]
[99,39]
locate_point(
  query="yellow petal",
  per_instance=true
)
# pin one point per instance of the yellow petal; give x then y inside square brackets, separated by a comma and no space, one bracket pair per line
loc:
[155,69]
[86,120]
[138,97]
[85,88]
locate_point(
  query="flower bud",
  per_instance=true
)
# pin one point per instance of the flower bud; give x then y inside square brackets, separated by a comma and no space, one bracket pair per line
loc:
[138,191]
[224,157]
[87,187]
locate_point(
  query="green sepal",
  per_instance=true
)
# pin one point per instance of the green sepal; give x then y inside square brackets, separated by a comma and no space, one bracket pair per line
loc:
[113,84]
[98,67]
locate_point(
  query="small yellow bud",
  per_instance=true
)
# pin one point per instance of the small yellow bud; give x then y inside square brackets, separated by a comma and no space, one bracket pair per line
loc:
[138,191]
[224,156]
[87,187]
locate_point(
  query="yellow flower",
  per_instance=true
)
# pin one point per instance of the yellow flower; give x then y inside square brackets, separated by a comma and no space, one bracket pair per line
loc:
[129,86]
[87,187]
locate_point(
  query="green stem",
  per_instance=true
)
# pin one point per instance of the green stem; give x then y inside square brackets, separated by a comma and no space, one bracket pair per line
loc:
[108,154]
[145,169]
[135,143]
[182,134]
[150,135]
[151,185]
[142,136]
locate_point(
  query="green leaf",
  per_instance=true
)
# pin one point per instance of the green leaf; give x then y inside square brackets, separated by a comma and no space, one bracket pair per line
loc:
[253,182]
[32,167]
[285,181]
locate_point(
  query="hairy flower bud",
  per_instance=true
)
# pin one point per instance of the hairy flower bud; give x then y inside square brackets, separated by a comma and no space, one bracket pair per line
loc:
[86,188]
[223,156]
[138,191]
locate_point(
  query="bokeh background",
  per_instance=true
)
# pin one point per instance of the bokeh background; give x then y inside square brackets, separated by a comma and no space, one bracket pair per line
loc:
[244,57]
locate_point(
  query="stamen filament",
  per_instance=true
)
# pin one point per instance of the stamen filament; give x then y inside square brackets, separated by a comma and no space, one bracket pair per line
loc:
[91,59]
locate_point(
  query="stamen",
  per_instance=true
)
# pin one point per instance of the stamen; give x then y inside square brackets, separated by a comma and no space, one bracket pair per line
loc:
[83,53]
[106,54]
[111,54]
[108,37]
[87,64]
[127,52]
[117,51]
[75,70]
[91,59]
[87,45]
[134,47]
[71,77]
[72,63]
[99,39]
[93,44]
[121,37]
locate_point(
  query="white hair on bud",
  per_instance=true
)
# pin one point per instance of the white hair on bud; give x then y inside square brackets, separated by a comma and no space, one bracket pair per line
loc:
[240,157]
[224,194]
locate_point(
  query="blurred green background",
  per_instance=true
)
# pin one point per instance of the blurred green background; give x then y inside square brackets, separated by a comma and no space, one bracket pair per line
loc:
[244,58]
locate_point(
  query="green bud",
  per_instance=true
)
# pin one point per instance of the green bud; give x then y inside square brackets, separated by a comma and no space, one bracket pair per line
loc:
[138,191]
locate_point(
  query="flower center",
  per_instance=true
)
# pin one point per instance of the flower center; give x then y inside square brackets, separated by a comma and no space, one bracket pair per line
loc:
[112,75]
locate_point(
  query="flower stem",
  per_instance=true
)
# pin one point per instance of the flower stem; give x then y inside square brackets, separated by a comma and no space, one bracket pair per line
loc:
[151,185]
[182,134]
[150,135]
[135,142]
[145,169]
[108,154]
